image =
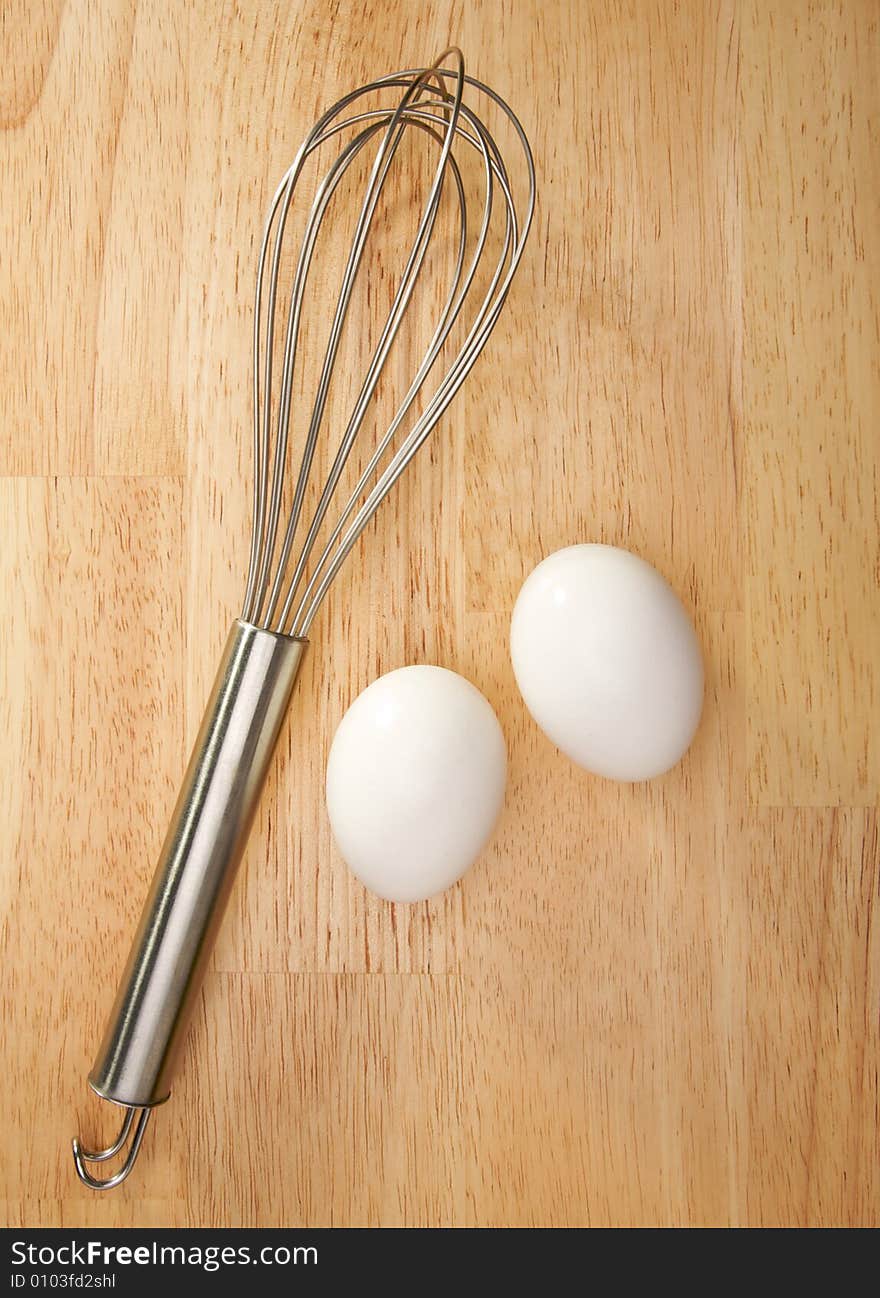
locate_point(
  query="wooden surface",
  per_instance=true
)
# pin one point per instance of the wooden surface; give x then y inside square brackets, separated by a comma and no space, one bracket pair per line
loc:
[654,1004]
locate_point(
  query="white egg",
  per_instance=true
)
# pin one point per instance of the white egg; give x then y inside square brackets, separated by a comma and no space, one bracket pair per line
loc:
[607,661]
[415,781]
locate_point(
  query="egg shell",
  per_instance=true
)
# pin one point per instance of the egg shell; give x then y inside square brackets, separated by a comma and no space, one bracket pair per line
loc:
[607,661]
[415,781]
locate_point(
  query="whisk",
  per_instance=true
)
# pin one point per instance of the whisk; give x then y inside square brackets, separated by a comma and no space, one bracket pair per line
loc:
[289,572]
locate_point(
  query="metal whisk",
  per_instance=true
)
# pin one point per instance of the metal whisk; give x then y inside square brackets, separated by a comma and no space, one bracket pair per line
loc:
[286,587]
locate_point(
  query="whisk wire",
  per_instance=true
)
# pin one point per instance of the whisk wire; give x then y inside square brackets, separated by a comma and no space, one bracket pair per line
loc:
[383,347]
[284,592]
[380,355]
[264,543]
[444,324]
[322,200]
[480,328]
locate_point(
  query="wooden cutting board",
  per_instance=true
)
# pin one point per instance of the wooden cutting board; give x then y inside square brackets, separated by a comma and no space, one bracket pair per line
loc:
[650,1005]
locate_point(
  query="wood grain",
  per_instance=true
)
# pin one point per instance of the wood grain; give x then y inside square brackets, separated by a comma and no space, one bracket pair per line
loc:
[650,1005]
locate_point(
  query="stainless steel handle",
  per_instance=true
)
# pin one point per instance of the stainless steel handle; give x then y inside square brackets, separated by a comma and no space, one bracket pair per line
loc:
[197,866]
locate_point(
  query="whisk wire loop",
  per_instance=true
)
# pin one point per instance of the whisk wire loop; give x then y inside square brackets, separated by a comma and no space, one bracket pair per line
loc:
[388,147]
[285,590]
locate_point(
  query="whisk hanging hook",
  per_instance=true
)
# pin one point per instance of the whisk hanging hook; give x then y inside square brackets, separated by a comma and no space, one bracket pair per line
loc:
[134,1118]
